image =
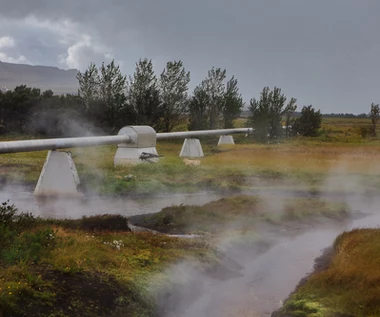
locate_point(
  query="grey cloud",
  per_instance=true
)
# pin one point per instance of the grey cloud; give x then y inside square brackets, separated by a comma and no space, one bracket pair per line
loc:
[324,53]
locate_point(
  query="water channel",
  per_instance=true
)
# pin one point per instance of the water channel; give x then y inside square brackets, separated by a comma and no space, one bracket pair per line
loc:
[267,278]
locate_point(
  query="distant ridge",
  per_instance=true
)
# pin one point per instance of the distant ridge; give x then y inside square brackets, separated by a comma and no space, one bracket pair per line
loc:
[44,77]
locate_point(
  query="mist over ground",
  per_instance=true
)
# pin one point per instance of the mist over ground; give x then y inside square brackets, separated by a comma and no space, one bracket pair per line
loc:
[260,265]
[263,265]
[270,265]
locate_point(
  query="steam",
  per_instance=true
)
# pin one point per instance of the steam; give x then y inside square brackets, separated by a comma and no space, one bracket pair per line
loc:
[269,271]
[353,188]
[64,123]
[75,208]
[262,266]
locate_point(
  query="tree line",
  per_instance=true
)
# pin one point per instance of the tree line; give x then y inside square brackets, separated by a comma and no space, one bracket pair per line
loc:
[29,110]
[108,100]
[346,115]
[113,100]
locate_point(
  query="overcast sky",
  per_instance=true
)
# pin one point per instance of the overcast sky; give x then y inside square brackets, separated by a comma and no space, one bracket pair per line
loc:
[325,53]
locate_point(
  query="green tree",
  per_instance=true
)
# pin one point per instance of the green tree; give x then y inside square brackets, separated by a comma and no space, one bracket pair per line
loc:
[173,85]
[375,114]
[259,119]
[289,111]
[47,94]
[215,89]
[28,110]
[309,122]
[232,104]
[89,86]
[16,107]
[267,114]
[144,95]
[103,93]
[112,86]
[198,108]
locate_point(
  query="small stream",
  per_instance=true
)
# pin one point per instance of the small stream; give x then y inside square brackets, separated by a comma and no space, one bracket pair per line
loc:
[267,278]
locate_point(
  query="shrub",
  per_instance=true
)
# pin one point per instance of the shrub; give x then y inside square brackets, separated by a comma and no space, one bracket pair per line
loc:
[309,122]
[365,131]
[17,244]
[11,219]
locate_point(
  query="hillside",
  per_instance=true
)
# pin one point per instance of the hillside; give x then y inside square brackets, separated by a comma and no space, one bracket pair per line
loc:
[43,77]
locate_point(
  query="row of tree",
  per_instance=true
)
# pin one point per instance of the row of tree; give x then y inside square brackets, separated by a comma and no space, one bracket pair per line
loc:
[28,110]
[163,102]
[112,100]
[107,100]
[346,115]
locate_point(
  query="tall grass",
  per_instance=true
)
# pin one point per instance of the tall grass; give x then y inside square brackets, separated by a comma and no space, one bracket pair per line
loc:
[309,160]
[348,285]
[48,266]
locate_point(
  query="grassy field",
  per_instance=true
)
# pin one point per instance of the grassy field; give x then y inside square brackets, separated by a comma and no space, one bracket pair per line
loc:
[345,129]
[340,155]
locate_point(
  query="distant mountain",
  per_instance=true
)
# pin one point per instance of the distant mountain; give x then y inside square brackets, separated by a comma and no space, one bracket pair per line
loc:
[44,77]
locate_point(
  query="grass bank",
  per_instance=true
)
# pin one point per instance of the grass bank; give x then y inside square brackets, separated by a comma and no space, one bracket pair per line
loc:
[241,212]
[59,268]
[345,282]
[94,266]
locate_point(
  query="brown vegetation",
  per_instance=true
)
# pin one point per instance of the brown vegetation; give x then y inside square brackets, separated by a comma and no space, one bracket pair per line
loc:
[347,284]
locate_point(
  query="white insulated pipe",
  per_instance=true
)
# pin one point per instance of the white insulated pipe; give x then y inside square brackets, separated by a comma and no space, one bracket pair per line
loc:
[194,134]
[64,143]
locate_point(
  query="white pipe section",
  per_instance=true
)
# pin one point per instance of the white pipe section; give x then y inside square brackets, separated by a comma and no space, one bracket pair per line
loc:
[64,143]
[194,134]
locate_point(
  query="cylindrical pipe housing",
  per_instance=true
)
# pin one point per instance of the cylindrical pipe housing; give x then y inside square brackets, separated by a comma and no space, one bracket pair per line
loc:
[194,134]
[139,135]
[64,143]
